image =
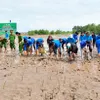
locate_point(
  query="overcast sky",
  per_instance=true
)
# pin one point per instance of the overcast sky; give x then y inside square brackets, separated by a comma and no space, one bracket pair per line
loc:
[49,14]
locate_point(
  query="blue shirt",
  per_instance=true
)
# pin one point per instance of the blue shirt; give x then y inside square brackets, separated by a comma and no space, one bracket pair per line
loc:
[29,42]
[98,37]
[81,38]
[88,38]
[33,40]
[98,43]
[25,37]
[82,44]
[40,40]
[57,43]
[7,35]
[70,40]
[64,40]
[75,36]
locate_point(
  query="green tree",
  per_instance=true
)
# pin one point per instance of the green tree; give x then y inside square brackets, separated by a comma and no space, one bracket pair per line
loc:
[58,32]
[52,32]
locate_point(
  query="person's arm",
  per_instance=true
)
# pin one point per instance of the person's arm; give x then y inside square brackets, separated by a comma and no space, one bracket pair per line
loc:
[9,37]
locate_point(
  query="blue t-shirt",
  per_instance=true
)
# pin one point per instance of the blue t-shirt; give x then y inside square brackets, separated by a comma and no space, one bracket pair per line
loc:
[82,44]
[70,40]
[29,42]
[75,36]
[40,41]
[57,43]
[33,40]
[64,40]
[88,38]
[98,43]
[25,37]
[81,38]
[98,37]
[7,35]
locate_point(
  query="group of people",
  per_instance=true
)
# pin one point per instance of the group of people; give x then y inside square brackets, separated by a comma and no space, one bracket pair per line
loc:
[85,40]
[56,46]
[4,40]
[88,42]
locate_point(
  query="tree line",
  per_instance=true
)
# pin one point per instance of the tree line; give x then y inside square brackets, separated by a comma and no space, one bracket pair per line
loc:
[46,32]
[90,27]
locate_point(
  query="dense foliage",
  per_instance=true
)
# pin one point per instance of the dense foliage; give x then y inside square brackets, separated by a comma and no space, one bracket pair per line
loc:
[90,27]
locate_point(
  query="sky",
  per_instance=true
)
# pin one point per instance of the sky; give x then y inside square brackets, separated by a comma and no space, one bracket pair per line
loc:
[49,14]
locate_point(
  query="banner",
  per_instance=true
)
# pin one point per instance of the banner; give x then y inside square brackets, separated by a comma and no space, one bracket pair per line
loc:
[7,27]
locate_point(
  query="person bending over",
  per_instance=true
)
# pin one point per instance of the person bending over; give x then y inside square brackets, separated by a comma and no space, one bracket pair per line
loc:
[56,47]
[40,46]
[63,42]
[88,40]
[98,46]
[49,42]
[72,50]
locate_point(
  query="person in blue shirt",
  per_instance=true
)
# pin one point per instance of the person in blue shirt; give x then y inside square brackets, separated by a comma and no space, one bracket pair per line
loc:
[6,35]
[81,38]
[27,46]
[94,38]
[83,44]
[30,43]
[83,48]
[88,40]
[39,46]
[63,42]
[25,37]
[56,47]
[98,46]
[75,36]
[98,36]
[88,37]
[33,42]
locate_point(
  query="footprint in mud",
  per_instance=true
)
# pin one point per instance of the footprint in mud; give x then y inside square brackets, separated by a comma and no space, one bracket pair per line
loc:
[40,59]
[97,80]
[9,74]
[3,69]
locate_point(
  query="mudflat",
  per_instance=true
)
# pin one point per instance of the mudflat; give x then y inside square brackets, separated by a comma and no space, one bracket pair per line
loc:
[45,78]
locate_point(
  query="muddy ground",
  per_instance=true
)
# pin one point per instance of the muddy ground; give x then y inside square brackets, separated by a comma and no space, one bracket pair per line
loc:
[45,78]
